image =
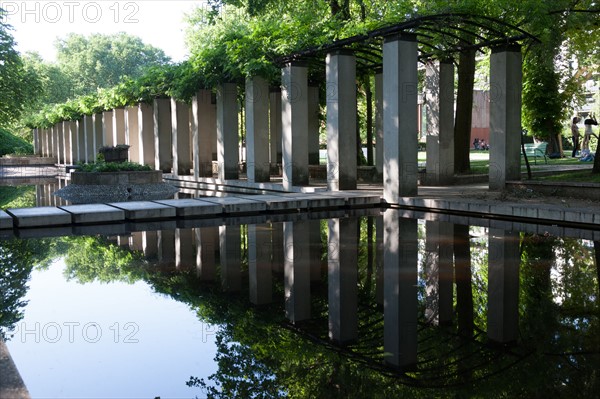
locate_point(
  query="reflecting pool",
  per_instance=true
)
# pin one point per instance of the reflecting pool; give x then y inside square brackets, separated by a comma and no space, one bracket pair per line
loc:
[349,304]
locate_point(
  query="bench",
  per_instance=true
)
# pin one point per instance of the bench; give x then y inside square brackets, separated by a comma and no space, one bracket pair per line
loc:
[536,150]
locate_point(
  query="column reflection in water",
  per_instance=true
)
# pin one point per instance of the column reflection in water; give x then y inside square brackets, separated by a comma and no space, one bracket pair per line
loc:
[137,241]
[315,249]
[259,263]
[503,286]
[230,256]
[207,241]
[296,270]
[150,244]
[278,256]
[166,249]
[400,290]
[438,271]
[379,260]
[463,280]
[185,258]
[342,279]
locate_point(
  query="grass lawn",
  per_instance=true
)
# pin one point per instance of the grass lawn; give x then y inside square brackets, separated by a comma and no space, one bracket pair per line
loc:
[580,176]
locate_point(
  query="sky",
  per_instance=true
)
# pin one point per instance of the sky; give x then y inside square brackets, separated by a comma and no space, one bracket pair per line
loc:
[38,23]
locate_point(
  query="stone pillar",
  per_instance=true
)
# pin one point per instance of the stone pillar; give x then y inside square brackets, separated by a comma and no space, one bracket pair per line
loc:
[88,134]
[313,125]
[119,126]
[185,258]
[227,131]
[378,122]
[341,121]
[259,264]
[80,132]
[37,142]
[231,258]
[60,143]
[98,134]
[294,119]
[296,271]
[439,252]
[505,115]
[207,241]
[163,159]
[204,132]
[107,128]
[180,136]
[342,281]
[400,290]
[439,100]
[504,259]
[132,132]
[275,125]
[400,117]
[145,134]
[257,129]
[68,142]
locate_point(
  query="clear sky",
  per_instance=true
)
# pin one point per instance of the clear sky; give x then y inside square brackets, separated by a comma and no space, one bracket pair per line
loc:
[37,23]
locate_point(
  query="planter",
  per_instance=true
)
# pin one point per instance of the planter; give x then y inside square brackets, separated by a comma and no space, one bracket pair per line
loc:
[118,153]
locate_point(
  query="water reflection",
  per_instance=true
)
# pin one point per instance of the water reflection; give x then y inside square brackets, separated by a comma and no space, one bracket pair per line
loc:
[380,305]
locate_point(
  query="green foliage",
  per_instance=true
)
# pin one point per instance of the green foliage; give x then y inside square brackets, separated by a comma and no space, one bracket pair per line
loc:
[98,167]
[11,144]
[17,197]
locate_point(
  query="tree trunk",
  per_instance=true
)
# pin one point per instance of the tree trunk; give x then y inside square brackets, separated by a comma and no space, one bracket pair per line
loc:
[464,109]
[596,168]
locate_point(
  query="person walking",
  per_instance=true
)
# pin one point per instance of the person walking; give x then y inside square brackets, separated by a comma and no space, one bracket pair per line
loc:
[587,133]
[575,136]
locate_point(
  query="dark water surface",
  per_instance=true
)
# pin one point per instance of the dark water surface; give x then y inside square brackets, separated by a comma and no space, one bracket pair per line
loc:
[378,305]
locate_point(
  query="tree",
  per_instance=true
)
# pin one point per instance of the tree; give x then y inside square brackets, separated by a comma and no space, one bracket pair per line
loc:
[101,61]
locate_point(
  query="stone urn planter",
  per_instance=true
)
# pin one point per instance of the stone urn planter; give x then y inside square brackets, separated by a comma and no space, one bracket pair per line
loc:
[118,153]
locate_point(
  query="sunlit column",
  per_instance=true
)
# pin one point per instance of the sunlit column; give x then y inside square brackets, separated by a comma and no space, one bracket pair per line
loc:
[504,259]
[294,119]
[341,121]
[132,133]
[439,254]
[67,142]
[204,132]
[439,100]
[163,157]
[230,255]
[257,129]
[107,128]
[119,126]
[259,264]
[296,271]
[80,154]
[227,131]
[342,280]
[505,115]
[88,133]
[400,127]
[400,290]
[145,134]
[181,138]
[207,243]
[98,134]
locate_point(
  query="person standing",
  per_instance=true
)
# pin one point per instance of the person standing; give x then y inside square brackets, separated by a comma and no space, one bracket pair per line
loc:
[575,136]
[587,133]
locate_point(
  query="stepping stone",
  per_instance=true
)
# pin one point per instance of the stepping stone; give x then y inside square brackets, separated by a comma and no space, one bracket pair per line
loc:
[193,207]
[42,216]
[237,204]
[6,221]
[144,210]
[276,202]
[94,213]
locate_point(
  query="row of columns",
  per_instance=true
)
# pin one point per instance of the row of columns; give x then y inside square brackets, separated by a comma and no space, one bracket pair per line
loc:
[294,249]
[183,134]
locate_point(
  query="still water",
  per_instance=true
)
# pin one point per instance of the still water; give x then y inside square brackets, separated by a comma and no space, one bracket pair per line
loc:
[375,305]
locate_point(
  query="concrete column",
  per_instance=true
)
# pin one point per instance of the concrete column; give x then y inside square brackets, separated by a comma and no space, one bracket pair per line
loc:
[400,127]
[400,290]
[341,121]
[150,245]
[296,271]
[80,132]
[503,286]
[60,143]
[313,125]
[132,132]
[145,134]
[98,135]
[181,138]
[88,134]
[204,132]
[163,157]
[119,126]
[294,120]
[207,243]
[259,264]
[231,258]
[68,142]
[439,100]
[107,128]
[505,115]
[257,129]
[227,131]
[37,142]
[275,126]
[439,252]
[185,258]
[342,261]
[50,142]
